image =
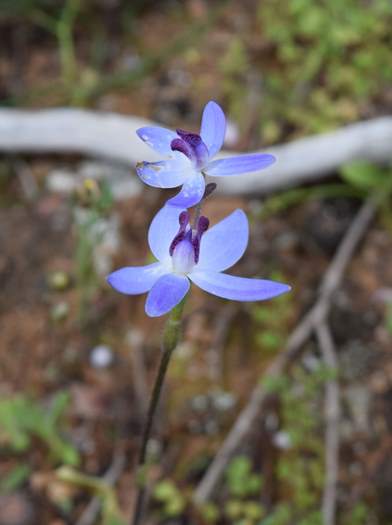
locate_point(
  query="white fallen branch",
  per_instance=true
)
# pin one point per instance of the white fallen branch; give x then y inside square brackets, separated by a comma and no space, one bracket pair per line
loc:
[112,136]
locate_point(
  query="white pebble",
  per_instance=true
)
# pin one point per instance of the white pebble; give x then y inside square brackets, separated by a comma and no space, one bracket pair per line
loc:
[101,356]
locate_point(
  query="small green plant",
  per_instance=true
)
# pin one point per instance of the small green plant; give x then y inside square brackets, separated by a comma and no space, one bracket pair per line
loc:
[329,59]
[240,480]
[111,514]
[269,335]
[21,419]
[243,487]
[291,198]
[172,502]
[300,468]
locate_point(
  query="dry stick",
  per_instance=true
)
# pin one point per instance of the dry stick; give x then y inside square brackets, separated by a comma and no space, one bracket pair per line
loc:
[299,336]
[332,418]
[113,136]
[90,513]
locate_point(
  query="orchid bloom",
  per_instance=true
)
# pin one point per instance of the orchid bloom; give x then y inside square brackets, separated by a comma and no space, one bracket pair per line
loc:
[197,254]
[189,157]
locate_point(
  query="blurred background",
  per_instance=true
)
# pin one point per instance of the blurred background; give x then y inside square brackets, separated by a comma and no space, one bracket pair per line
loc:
[77,360]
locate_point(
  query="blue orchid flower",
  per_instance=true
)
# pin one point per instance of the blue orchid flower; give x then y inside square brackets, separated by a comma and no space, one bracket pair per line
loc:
[197,254]
[188,157]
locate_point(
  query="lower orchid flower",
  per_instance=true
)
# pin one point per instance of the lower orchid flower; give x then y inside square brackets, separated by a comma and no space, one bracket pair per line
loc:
[197,254]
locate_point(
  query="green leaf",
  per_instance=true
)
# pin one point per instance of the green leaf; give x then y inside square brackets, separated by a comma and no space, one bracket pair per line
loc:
[363,175]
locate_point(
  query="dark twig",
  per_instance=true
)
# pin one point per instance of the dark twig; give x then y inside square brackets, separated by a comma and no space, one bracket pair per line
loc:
[332,417]
[299,336]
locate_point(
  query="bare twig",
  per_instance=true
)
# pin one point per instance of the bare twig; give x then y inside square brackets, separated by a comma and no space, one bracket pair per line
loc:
[332,417]
[299,336]
[113,136]
[90,513]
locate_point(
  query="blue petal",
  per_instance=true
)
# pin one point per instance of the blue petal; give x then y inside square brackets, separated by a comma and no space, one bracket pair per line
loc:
[213,127]
[159,139]
[191,193]
[133,280]
[237,288]
[166,293]
[223,244]
[238,165]
[162,231]
[164,174]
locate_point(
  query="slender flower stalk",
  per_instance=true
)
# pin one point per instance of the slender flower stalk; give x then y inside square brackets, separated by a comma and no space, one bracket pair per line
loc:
[170,340]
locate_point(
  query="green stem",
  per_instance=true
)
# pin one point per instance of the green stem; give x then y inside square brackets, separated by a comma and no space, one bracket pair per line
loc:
[170,339]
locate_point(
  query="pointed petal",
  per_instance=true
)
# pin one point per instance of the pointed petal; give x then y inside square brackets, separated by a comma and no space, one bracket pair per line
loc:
[191,193]
[166,293]
[159,139]
[213,127]
[237,288]
[238,165]
[162,231]
[222,245]
[133,280]
[165,173]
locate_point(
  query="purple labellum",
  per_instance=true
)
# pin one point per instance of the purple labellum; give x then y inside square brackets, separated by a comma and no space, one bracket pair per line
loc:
[183,219]
[181,146]
[188,235]
[191,145]
[202,226]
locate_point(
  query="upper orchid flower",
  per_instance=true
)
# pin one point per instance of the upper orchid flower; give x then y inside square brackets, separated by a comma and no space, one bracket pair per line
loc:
[189,157]
[185,253]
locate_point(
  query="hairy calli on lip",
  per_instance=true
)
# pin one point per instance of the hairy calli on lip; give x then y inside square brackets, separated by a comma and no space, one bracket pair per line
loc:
[189,157]
[199,255]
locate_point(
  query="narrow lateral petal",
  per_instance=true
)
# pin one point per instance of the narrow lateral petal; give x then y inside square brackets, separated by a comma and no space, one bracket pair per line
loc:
[133,280]
[165,173]
[239,165]
[237,288]
[191,193]
[213,127]
[162,231]
[159,139]
[224,244]
[166,293]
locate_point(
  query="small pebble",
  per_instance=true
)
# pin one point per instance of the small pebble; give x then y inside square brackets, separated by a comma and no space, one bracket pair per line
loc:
[59,311]
[59,281]
[223,401]
[101,356]
[282,440]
